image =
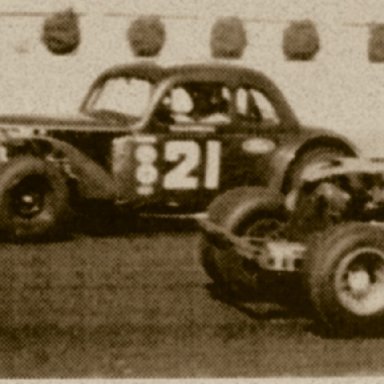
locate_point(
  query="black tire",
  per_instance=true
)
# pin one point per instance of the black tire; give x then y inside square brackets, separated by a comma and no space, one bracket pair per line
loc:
[343,270]
[208,260]
[220,211]
[33,200]
[241,211]
[311,157]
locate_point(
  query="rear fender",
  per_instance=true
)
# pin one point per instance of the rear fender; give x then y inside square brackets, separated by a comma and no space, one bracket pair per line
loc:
[92,181]
[286,157]
[233,208]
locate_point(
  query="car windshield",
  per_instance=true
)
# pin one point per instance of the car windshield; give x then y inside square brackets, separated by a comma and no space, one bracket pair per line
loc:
[121,95]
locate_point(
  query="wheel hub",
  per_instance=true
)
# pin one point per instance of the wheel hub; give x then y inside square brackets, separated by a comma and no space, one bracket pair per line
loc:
[27,198]
[30,204]
[359,281]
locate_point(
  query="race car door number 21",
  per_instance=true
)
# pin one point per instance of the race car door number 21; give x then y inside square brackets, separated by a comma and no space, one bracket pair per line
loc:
[185,157]
[188,156]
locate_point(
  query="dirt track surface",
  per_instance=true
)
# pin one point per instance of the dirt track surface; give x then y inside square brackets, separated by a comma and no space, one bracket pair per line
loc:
[140,306]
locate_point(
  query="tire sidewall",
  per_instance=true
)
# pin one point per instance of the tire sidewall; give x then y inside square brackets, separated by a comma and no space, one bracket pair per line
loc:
[239,273]
[55,212]
[323,260]
[241,208]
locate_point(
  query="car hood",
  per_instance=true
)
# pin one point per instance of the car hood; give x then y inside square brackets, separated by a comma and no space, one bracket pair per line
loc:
[64,121]
[32,119]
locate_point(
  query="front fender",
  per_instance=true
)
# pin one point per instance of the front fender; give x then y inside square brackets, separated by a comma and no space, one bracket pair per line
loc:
[93,182]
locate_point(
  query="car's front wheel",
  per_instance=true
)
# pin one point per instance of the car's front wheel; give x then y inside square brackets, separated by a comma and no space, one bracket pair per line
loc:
[247,211]
[33,200]
[344,275]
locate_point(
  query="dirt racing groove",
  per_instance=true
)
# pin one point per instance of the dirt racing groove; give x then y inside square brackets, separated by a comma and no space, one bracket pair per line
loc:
[139,305]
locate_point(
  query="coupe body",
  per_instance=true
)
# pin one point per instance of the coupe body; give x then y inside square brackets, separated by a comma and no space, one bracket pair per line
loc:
[167,140]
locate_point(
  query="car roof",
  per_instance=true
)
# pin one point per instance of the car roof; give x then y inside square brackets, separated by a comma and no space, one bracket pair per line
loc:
[146,70]
[230,74]
[227,73]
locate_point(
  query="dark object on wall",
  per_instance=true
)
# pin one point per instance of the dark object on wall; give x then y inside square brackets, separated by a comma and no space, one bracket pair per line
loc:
[301,41]
[61,32]
[228,38]
[376,43]
[146,36]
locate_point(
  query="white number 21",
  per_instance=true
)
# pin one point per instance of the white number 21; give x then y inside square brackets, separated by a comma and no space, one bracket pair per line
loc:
[188,156]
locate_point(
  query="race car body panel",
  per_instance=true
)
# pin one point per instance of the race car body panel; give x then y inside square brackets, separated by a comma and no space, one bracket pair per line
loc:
[171,139]
[295,145]
[92,180]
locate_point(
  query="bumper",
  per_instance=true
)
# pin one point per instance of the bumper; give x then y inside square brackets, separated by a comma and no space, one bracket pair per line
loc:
[272,255]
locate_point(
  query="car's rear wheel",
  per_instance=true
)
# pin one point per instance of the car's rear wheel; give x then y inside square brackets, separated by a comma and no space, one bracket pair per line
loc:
[33,200]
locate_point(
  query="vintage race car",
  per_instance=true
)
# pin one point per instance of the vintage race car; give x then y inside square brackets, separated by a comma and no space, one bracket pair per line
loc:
[158,141]
[326,236]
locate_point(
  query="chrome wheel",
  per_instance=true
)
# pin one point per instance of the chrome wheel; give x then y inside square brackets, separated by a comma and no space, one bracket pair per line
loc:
[359,281]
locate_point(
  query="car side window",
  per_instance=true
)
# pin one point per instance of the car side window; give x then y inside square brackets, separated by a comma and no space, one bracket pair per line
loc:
[125,96]
[251,105]
[198,103]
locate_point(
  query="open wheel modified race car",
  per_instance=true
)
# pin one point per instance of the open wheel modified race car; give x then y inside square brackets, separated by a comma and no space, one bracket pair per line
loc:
[327,235]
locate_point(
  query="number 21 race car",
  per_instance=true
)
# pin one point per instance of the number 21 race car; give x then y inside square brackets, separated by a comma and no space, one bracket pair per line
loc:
[154,141]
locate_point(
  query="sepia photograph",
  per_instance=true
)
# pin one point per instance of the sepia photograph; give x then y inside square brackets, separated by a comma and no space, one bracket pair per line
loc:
[191,189]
